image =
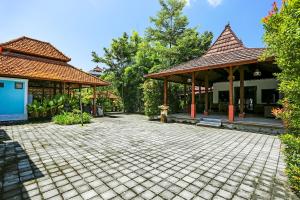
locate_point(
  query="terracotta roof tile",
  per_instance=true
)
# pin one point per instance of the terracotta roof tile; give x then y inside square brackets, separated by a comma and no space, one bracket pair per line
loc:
[35,47]
[226,42]
[227,50]
[14,65]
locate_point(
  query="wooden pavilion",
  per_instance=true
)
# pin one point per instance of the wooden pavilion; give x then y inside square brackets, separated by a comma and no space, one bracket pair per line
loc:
[235,74]
[32,69]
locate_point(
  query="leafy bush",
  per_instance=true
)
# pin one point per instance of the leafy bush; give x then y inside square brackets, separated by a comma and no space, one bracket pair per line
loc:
[282,33]
[47,107]
[292,157]
[68,118]
[152,97]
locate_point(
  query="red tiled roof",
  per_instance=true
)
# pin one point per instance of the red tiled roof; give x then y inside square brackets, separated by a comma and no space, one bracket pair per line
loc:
[33,59]
[226,42]
[22,66]
[226,51]
[34,47]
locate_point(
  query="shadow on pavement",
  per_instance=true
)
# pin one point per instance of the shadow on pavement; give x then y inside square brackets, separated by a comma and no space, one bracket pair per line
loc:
[15,169]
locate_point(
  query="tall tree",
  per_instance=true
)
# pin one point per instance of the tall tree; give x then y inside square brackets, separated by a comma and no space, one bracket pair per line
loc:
[175,42]
[169,23]
[118,57]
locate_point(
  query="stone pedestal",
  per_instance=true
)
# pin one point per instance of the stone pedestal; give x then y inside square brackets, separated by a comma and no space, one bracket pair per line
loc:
[163,113]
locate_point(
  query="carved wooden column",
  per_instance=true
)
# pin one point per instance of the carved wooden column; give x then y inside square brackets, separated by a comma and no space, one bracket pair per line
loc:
[193,106]
[242,92]
[206,94]
[231,105]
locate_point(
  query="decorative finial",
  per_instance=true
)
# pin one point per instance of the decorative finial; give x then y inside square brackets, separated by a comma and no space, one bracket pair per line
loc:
[228,24]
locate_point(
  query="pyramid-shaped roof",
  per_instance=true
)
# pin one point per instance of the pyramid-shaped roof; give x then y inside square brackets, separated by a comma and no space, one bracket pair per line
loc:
[226,51]
[29,46]
[226,42]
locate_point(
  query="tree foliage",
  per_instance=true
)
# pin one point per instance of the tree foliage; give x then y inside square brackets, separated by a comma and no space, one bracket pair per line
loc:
[120,58]
[282,36]
[167,42]
[175,42]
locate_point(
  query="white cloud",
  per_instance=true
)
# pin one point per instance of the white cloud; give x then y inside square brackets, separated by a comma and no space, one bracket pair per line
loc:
[214,3]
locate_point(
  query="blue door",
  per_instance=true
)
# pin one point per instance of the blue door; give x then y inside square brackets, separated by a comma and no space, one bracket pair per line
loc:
[12,99]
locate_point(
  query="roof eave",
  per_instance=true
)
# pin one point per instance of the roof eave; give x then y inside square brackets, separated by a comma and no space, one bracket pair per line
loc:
[102,83]
[203,68]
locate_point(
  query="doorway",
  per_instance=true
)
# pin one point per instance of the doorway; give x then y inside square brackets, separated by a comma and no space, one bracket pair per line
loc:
[250,98]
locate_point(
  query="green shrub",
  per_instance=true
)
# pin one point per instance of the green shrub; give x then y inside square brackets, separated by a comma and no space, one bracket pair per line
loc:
[152,97]
[68,118]
[292,157]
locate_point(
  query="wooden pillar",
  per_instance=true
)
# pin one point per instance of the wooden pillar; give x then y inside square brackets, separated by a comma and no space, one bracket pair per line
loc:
[54,91]
[64,88]
[43,91]
[69,85]
[185,98]
[230,106]
[193,106]
[94,101]
[206,94]
[60,88]
[165,92]
[80,104]
[242,92]
[200,85]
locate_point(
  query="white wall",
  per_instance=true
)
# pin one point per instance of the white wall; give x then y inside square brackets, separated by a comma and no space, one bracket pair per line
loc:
[260,84]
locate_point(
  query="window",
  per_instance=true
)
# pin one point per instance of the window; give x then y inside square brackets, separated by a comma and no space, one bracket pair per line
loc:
[223,96]
[269,96]
[18,85]
[1,85]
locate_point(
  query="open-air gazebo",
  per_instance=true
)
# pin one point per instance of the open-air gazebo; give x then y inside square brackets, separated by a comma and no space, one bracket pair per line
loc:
[241,84]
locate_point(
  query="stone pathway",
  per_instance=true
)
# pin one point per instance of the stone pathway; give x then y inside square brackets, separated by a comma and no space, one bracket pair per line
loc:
[128,157]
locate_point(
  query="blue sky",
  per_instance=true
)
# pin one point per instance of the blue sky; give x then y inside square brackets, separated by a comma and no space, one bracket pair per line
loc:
[78,27]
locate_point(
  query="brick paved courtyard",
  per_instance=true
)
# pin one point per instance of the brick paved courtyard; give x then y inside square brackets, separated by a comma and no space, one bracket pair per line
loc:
[128,157]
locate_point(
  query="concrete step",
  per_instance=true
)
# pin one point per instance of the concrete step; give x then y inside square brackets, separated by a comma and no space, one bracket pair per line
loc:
[210,122]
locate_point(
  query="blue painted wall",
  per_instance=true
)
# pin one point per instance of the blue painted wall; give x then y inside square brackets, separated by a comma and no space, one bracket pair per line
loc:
[11,99]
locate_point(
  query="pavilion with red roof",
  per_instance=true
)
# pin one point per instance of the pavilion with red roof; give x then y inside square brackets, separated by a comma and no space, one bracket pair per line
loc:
[240,82]
[33,69]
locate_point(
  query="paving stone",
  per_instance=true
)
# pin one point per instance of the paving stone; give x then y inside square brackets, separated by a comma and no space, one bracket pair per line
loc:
[108,194]
[128,194]
[225,194]
[139,189]
[129,157]
[147,194]
[186,194]
[89,194]
[69,194]
[167,194]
